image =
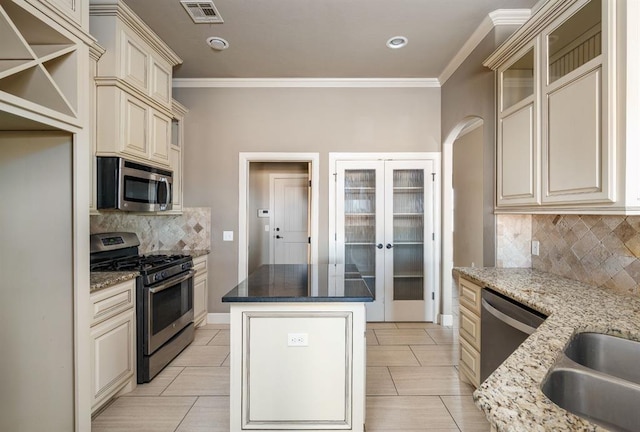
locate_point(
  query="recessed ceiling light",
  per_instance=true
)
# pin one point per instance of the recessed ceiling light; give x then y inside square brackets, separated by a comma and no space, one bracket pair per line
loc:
[217,43]
[397,42]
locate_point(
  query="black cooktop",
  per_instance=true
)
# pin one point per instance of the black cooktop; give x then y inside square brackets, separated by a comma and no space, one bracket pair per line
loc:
[142,263]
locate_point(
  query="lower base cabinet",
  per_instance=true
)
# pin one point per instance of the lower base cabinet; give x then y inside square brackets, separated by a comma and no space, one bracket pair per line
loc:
[470,297]
[113,339]
[200,290]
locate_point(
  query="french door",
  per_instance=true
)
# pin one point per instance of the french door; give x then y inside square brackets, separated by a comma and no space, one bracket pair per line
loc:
[384,227]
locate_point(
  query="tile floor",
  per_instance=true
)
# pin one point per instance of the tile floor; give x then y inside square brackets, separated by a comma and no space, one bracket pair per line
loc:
[412,385]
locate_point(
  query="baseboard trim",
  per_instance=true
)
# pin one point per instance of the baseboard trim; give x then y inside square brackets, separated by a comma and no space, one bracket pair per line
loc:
[446,320]
[218,318]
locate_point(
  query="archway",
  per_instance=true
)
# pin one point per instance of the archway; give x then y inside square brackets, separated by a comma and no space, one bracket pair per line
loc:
[446,289]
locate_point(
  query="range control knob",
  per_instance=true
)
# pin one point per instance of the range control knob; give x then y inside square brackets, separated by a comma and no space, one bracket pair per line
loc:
[164,274]
[156,277]
[186,266]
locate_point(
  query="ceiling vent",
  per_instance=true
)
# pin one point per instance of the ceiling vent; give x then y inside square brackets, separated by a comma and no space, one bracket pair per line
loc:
[202,12]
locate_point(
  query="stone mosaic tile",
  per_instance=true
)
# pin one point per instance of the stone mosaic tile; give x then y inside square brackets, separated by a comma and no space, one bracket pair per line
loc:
[513,242]
[598,250]
[188,231]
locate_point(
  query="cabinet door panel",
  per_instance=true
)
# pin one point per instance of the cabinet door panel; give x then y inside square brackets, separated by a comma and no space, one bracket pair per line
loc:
[199,297]
[135,126]
[135,61]
[574,148]
[160,136]
[160,82]
[112,355]
[517,157]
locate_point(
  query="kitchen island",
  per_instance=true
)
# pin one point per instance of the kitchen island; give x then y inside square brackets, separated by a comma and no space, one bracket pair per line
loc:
[511,397]
[298,349]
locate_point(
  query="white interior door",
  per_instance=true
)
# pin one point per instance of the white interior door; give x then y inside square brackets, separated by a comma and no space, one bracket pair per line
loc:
[409,245]
[360,225]
[290,231]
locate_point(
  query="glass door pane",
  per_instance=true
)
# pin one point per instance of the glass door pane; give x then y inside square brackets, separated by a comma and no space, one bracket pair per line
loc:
[360,221]
[575,42]
[408,234]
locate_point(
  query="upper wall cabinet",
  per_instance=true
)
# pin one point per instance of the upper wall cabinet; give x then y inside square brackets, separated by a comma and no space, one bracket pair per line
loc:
[564,144]
[42,59]
[134,86]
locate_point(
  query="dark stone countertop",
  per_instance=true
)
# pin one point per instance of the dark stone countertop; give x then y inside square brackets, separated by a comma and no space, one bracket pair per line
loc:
[301,283]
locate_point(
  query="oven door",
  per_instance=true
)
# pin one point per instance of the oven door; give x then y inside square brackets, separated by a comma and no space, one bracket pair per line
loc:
[168,309]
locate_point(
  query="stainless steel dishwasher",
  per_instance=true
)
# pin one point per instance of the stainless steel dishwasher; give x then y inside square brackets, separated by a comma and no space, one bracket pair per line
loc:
[505,325]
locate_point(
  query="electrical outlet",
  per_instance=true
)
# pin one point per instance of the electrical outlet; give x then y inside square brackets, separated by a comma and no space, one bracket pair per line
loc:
[535,248]
[227,235]
[298,339]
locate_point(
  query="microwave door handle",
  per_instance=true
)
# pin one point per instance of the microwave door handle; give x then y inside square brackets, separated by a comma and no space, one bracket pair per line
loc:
[168,198]
[171,282]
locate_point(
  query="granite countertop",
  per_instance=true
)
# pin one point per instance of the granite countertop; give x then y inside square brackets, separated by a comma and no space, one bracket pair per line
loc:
[193,253]
[301,283]
[102,280]
[511,397]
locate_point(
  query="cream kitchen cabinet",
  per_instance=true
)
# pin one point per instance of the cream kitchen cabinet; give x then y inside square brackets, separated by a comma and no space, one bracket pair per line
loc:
[470,298]
[135,55]
[113,342]
[43,60]
[71,11]
[134,86]
[129,127]
[564,139]
[175,153]
[200,290]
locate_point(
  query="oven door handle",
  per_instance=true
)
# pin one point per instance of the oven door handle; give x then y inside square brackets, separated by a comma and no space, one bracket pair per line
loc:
[171,282]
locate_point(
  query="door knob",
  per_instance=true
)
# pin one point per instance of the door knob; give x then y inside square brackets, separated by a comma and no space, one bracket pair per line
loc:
[279,237]
[379,245]
[389,245]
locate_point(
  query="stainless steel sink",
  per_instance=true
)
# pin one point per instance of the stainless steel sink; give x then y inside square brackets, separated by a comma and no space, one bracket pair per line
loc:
[607,401]
[608,354]
[598,378]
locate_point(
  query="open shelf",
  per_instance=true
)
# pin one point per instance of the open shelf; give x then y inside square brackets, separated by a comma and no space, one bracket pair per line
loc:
[37,63]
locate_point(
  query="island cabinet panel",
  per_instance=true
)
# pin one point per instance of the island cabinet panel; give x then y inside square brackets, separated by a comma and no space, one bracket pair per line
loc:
[311,382]
[297,366]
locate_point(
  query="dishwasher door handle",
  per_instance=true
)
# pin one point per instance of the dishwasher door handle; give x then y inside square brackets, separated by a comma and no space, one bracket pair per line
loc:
[507,319]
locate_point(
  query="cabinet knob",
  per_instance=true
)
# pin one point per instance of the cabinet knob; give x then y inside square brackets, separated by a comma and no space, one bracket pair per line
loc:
[389,245]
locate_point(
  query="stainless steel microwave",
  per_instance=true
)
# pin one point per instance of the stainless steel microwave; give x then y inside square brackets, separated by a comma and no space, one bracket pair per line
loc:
[132,186]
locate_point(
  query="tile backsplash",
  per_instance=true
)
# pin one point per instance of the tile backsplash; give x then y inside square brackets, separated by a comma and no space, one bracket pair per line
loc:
[513,241]
[188,231]
[599,250]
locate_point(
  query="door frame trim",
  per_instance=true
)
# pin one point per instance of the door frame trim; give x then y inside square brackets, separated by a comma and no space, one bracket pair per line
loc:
[245,158]
[272,206]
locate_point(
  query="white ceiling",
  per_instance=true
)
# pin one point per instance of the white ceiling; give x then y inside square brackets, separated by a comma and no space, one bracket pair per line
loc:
[320,38]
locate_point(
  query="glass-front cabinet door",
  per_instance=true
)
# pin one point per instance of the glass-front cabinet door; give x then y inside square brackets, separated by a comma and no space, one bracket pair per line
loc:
[384,228]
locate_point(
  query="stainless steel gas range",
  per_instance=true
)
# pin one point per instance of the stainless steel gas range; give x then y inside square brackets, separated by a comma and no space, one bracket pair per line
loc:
[164,297]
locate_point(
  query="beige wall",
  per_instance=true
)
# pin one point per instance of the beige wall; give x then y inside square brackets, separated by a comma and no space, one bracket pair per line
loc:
[468,193]
[223,122]
[471,92]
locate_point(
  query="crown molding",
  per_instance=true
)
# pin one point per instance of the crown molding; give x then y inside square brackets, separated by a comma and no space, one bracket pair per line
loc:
[493,19]
[306,82]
